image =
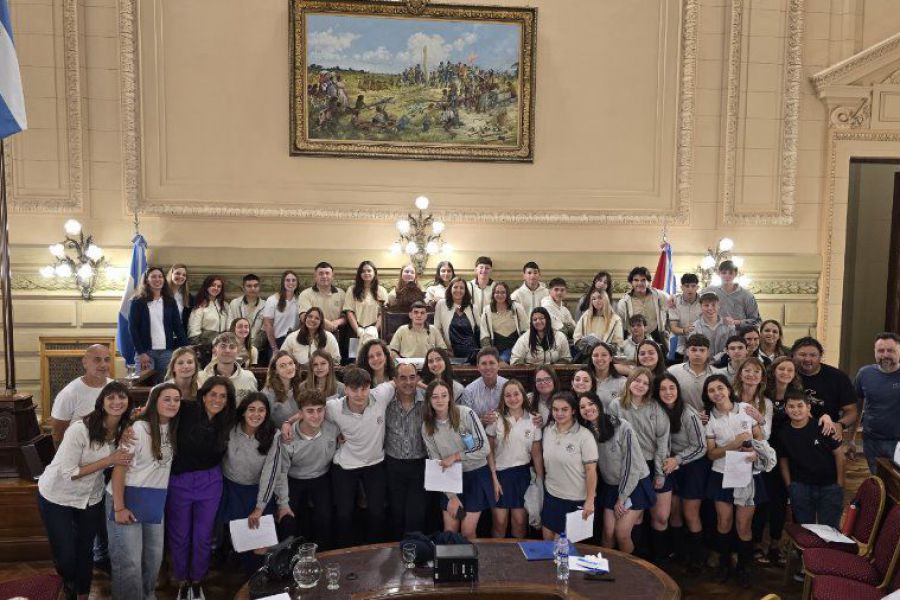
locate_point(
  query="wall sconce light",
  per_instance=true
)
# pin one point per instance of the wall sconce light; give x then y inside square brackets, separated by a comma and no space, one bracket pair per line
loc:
[708,269]
[77,257]
[420,237]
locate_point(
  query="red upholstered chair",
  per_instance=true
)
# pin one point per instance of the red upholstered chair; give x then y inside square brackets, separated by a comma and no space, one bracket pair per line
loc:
[39,587]
[829,587]
[876,571]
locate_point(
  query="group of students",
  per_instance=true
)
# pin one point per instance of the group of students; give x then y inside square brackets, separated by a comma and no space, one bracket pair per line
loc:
[632,440]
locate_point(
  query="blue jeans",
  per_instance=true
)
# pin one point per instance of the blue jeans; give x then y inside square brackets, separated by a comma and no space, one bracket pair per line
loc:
[136,553]
[161,359]
[874,449]
[71,532]
[816,503]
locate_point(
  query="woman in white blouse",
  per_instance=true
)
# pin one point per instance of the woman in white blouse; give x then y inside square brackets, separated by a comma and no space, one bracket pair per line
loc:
[311,336]
[209,316]
[443,275]
[541,345]
[70,489]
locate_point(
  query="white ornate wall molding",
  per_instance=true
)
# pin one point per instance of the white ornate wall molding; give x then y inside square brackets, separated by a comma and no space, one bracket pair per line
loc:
[70,200]
[681,185]
[783,212]
[874,58]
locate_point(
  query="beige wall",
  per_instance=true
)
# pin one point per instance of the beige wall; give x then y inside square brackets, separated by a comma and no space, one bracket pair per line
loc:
[697,114]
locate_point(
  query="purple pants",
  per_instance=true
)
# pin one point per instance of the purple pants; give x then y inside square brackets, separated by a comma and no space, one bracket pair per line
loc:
[191,507]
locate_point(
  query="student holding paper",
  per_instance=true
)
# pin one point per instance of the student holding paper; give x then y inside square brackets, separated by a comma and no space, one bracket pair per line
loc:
[730,428]
[136,546]
[250,446]
[570,466]
[454,434]
[195,487]
[516,445]
[70,490]
[626,489]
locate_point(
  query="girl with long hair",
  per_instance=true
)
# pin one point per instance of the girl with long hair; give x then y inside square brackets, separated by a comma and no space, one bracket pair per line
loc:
[153,312]
[280,314]
[248,355]
[183,370]
[177,280]
[771,340]
[311,336]
[602,282]
[282,387]
[209,316]
[750,387]
[455,318]
[438,366]
[406,291]
[546,384]
[375,358]
[541,344]
[363,303]
[610,383]
[443,275]
[599,323]
[321,376]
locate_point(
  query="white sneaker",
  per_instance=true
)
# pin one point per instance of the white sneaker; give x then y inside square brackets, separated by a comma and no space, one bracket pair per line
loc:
[196,593]
[184,592]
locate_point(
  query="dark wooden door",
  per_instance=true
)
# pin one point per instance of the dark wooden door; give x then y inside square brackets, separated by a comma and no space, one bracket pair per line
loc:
[892,310]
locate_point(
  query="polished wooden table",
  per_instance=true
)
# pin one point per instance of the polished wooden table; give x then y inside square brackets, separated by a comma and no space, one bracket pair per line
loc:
[369,572]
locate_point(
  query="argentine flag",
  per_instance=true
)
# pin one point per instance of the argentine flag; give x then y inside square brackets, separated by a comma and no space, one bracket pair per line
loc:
[135,275]
[12,100]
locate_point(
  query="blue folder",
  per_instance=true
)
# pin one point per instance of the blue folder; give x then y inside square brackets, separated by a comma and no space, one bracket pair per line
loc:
[145,503]
[544,550]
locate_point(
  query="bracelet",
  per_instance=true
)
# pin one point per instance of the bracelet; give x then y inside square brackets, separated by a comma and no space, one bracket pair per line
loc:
[119,510]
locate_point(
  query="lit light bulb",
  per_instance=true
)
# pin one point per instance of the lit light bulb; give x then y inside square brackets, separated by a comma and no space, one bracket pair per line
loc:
[431,248]
[47,271]
[437,227]
[412,248]
[726,244]
[403,226]
[63,270]
[738,261]
[447,249]
[716,280]
[57,250]
[708,262]
[72,227]
[744,281]
[422,202]
[85,271]
[395,248]
[93,252]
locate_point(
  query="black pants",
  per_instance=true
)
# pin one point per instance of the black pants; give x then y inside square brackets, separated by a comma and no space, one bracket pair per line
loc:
[773,512]
[71,533]
[406,495]
[315,524]
[345,482]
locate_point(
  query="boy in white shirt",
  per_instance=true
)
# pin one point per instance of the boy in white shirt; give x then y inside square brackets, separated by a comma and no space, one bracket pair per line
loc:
[482,287]
[637,324]
[532,291]
[249,306]
[560,317]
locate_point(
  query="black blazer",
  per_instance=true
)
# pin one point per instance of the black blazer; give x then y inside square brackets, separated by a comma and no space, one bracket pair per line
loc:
[139,325]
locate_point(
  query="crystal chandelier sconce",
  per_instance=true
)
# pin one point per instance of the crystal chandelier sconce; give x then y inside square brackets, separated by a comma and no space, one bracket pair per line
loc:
[708,269]
[420,237]
[76,257]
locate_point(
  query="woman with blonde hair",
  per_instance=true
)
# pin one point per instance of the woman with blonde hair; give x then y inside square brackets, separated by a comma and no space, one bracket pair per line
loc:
[320,376]
[183,370]
[599,323]
[282,387]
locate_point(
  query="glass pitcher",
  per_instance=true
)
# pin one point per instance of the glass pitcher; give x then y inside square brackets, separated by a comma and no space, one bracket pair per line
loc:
[307,570]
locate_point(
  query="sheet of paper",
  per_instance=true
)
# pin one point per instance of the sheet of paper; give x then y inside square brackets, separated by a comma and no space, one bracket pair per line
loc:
[829,533]
[738,470]
[439,480]
[243,538]
[589,564]
[281,596]
[577,527]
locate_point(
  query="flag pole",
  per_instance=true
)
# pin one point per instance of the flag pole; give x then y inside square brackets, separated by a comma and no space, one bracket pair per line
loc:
[9,362]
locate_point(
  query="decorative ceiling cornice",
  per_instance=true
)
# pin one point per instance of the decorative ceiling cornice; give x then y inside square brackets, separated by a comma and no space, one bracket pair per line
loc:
[859,65]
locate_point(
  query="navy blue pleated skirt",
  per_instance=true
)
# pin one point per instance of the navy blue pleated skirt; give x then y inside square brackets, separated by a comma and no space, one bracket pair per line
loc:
[642,498]
[690,479]
[514,481]
[478,491]
[553,515]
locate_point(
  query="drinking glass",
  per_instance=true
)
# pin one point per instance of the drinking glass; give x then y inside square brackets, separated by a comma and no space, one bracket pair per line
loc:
[409,555]
[333,576]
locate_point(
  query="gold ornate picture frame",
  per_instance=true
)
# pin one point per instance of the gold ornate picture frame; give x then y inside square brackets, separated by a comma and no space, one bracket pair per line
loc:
[376,79]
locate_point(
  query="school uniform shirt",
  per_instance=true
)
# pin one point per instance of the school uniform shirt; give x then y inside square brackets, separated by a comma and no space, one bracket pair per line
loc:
[481,296]
[738,304]
[530,299]
[207,320]
[145,470]
[717,333]
[415,343]
[283,321]
[628,349]
[559,353]
[363,433]
[610,389]
[723,428]
[303,352]
[443,316]
[367,309]
[565,454]
[684,314]
[332,303]
[651,428]
[560,317]
[506,323]
[606,331]
[481,398]
[513,446]
[880,392]
[688,443]
[76,400]
[446,441]
[403,429]
[243,380]
[57,483]
[653,306]
[281,411]
[621,462]
[239,308]
[435,293]
[728,371]
[809,453]
[691,383]
[304,457]
[830,389]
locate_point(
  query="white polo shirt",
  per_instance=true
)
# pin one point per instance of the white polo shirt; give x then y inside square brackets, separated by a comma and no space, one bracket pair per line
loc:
[691,384]
[513,448]
[332,303]
[363,433]
[75,400]
[565,455]
[724,428]
[283,321]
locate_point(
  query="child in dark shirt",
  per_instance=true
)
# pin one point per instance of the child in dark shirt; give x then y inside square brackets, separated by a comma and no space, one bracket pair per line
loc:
[812,465]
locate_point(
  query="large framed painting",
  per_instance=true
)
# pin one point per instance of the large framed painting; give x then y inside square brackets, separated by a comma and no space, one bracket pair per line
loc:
[379,79]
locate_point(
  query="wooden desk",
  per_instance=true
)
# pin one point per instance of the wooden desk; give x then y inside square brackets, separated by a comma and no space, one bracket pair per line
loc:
[503,573]
[888,471]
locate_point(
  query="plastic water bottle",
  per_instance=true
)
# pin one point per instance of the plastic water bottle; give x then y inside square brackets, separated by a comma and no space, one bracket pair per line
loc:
[562,558]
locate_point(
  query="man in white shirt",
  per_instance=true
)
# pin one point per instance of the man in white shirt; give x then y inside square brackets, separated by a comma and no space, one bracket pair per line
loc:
[482,287]
[532,292]
[78,398]
[249,306]
[560,317]
[483,394]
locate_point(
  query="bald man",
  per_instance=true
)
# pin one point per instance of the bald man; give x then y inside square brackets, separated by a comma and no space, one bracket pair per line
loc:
[77,399]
